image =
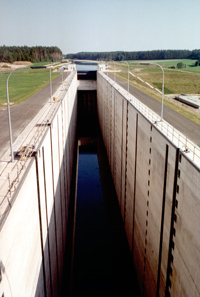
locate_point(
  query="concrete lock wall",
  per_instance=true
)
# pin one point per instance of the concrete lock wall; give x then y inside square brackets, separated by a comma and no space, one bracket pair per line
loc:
[33,235]
[158,192]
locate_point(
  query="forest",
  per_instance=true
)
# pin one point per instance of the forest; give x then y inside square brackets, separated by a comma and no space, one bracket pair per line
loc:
[34,54]
[137,55]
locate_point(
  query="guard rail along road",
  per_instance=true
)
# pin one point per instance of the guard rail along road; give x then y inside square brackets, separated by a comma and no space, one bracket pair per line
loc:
[157,180]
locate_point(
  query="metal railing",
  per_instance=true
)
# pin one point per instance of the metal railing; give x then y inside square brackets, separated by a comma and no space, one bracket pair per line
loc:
[190,149]
[10,183]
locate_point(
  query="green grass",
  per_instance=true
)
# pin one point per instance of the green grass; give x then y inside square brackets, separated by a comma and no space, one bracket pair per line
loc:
[166,64]
[190,65]
[41,63]
[179,108]
[23,83]
[176,81]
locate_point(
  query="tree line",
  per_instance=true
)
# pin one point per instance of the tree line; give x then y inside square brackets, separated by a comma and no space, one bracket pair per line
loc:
[137,55]
[11,54]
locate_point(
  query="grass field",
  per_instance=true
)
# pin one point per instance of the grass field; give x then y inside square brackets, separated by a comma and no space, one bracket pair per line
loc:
[166,64]
[186,80]
[23,84]
[190,65]
[176,81]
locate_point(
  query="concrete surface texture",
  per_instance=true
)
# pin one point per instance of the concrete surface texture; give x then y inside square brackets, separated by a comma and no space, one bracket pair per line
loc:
[33,226]
[158,191]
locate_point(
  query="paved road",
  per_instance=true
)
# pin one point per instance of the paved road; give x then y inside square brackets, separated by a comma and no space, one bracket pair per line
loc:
[24,112]
[181,123]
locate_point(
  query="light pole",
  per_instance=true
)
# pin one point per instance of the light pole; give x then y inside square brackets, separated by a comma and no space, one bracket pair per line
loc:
[50,85]
[107,65]
[114,70]
[161,116]
[62,70]
[8,106]
[128,73]
[8,109]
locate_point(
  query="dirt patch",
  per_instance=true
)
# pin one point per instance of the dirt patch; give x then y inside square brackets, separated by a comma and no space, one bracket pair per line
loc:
[17,64]
[144,74]
[137,70]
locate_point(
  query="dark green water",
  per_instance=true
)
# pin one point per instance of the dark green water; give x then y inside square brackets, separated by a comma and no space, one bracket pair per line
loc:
[102,260]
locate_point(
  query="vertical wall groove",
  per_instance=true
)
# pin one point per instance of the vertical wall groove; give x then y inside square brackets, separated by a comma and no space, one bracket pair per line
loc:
[162,220]
[135,176]
[40,221]
[68,151]
[64,156]
[110,117]
[125,190]
[54,207]
[114,142]
[47,220]
[172,233]
[122,153]
[60,184]
[148,202]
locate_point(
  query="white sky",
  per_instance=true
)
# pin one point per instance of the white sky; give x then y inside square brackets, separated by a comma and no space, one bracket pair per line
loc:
[101,25]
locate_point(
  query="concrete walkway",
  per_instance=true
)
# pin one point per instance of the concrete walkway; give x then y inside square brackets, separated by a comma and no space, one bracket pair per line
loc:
[24,112]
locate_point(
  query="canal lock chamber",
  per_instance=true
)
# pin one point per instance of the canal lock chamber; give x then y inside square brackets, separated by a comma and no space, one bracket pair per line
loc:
[101,260]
